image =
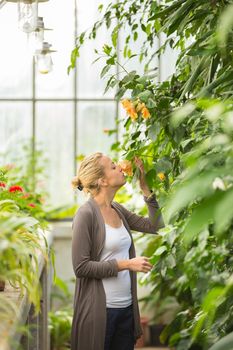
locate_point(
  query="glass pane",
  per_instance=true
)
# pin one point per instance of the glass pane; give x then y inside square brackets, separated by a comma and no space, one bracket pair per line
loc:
[59,16]
[133,63]
[168,61]
[15,58]
[88,75]
[94,119]
[15,127]
[54,131]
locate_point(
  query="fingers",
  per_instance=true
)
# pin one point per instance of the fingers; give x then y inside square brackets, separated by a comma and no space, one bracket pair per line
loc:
[139,163]
[146,265]
[137,160]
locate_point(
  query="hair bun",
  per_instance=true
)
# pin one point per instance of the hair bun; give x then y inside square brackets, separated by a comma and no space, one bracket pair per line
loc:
[79,185]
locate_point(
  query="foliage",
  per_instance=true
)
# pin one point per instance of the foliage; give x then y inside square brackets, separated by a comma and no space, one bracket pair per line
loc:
[185,139]
[22,238]
[26,172]
[60,317]
[60,322]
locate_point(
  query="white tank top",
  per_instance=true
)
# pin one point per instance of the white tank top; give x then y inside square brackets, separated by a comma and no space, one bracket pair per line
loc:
[117,289]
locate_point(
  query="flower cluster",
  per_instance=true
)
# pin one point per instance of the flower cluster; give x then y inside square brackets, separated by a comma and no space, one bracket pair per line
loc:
[126,167]
[17,189]
[134,108]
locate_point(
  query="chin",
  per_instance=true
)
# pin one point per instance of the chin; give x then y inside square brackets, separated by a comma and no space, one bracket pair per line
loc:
[124,181]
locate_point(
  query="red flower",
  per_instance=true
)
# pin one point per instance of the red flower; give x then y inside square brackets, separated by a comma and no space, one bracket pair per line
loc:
[32,205]
[15,188]
[2,184]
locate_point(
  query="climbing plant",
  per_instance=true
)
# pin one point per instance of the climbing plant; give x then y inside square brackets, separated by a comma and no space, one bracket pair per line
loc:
[183,129]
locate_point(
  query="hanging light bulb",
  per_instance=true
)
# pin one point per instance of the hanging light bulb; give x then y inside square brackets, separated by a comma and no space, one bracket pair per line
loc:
[43,58]
[27,14]
[37,36]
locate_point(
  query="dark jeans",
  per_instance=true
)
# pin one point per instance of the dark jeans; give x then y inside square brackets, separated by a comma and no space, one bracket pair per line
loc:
[119,329]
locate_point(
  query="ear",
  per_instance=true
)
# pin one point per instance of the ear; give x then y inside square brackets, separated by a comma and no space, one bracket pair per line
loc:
[102,182]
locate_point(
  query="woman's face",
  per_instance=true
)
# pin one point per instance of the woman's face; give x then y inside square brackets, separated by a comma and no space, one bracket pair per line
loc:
[114,176]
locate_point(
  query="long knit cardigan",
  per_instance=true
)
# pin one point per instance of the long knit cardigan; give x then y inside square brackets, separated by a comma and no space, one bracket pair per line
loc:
[89,317]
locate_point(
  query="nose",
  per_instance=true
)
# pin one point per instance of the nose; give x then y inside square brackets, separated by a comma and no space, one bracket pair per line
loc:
[120,168]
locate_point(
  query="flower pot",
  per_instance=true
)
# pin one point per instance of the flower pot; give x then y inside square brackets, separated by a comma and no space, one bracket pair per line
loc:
[2,285]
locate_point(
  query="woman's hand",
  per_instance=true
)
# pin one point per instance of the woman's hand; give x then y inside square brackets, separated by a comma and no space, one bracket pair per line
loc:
[142,178]
[140,264]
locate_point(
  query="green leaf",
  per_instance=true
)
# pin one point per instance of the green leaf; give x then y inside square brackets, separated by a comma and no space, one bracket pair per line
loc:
[226,343]
[168,9]
[225,25]
[154,131]
[223,78]
[148,28]
[104,71]
[111,61]
[129,77]
[150,177]
[180,114]
[144,95]
[100,7]
[107,49]
[151,103]
[194,77]
[120,92]
[224,211]
[129,53]
[186,193]
[74,55]
[202,216]
[110,83]
[160,250]
[114,35]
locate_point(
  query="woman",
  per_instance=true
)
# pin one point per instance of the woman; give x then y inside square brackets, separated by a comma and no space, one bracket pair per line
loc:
[106,314]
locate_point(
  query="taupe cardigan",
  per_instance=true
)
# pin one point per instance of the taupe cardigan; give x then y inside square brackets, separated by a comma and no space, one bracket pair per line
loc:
[89,318]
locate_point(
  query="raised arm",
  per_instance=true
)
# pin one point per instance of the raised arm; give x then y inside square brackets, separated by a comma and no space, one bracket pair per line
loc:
[150,224]
[83,265]
[154,221]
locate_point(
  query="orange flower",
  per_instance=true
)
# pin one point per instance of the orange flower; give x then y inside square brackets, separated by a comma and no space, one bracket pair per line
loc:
[161,176]
[130,109]
[126,167]
[145,113]
[140,106]
[132,113]
[126,103]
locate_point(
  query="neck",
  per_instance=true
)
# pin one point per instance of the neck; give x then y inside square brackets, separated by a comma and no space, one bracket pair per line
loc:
[105,198]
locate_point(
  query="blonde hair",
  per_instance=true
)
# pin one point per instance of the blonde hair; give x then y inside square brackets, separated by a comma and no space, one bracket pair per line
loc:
[88,174]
